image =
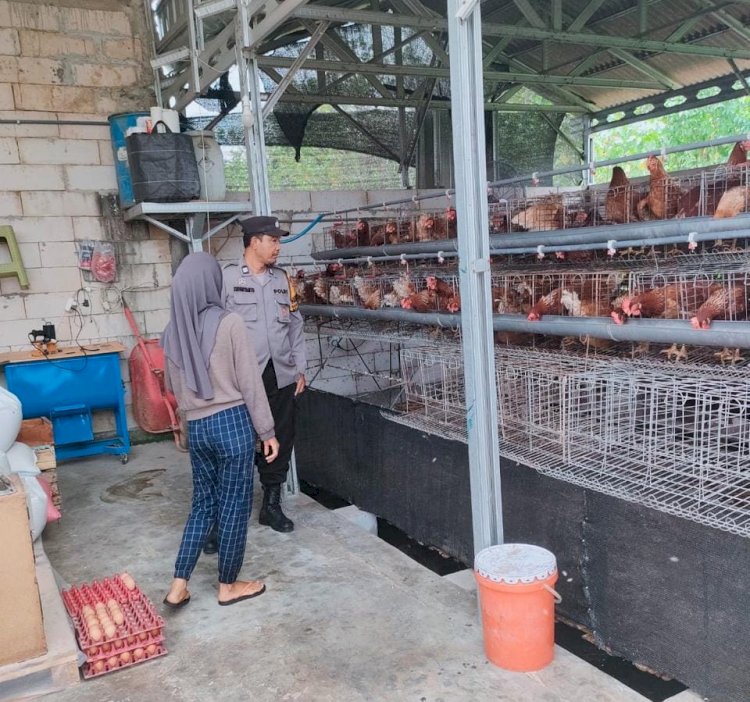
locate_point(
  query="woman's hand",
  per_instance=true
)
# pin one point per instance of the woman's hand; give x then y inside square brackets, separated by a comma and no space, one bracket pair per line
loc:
[271,449]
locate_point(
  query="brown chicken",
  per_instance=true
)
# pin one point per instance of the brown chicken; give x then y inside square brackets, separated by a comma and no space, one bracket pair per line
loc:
[425,229]
[368,292]
[545,215]
[550,303]
[586,305]
[738,155]
[362,232]
[451,223]
[409,298]
[723,303]
[667,301]
[620,201]
[662,191]
[447,296]
[344,240]
[733,201]
[377,235]
[391,232]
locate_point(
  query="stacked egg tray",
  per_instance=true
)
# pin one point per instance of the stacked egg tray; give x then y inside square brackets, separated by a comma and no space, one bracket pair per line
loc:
[139,638]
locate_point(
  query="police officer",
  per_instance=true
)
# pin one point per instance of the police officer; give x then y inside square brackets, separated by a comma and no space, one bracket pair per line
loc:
[262,294]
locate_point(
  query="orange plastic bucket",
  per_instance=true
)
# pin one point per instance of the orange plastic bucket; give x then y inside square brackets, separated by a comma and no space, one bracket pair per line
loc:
[517,598]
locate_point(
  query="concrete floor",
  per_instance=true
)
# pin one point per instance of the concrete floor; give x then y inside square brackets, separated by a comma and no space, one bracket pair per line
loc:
[346,616]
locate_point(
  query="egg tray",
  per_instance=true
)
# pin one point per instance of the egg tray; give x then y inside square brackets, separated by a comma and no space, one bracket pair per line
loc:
[141,626]
[90,671]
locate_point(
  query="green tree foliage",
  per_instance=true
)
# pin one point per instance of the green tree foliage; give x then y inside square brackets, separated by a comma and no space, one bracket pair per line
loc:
[700,124]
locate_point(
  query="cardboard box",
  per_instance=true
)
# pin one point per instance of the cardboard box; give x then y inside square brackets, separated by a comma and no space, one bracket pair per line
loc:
[36,432]
[22,631]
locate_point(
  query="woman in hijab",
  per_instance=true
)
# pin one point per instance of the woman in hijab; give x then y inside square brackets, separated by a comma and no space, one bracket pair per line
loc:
[212,369]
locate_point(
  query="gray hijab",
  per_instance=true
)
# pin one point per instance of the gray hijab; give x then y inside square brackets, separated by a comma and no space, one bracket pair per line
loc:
[195,313]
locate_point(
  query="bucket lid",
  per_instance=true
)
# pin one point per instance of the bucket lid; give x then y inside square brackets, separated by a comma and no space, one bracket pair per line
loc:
[515,563]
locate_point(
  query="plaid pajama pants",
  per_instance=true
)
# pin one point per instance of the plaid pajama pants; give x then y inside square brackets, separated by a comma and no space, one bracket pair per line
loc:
[222,448]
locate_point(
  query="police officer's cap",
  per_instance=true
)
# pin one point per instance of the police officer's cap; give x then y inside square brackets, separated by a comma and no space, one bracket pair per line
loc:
[258,226]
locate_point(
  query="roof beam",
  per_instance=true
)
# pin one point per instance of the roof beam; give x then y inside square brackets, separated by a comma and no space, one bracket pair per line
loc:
[413,104]
[662,78]
[585,15]
[529,13]
[334,14]
[344,52]
[734,24]
[441,72]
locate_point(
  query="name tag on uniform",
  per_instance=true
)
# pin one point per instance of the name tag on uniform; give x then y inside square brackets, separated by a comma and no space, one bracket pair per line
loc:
[239,288]
[283,291]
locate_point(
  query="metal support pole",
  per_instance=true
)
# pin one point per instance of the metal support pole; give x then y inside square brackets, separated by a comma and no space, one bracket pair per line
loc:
[263,196]
[588,152]
[467,113]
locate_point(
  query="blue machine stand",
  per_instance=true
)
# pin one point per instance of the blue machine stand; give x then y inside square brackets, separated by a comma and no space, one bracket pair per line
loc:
[68,387]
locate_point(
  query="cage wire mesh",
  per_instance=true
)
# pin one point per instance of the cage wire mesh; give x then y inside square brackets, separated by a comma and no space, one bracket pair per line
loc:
[674,438]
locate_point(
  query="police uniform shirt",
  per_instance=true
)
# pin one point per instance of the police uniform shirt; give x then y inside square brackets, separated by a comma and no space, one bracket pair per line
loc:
[267,304]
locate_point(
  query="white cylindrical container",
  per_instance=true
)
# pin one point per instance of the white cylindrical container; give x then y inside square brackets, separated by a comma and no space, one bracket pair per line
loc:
[210,165]
[10,418]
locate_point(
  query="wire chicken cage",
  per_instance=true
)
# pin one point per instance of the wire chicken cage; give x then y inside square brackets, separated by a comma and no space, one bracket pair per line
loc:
[676,439]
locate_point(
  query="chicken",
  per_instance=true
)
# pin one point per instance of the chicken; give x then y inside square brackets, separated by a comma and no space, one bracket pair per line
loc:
[343,240]
[391,232]
[320,289]
[304,288]
[425,230]
[545,215]
[368,292]
[363,232]
[738,155]
[667,301]
[733,201]
[618,206]
[377,235]
[409,298]
[550,303]
[451,223]
[422,301]
[447,296]
[656,205]
[723,303]
[340,293]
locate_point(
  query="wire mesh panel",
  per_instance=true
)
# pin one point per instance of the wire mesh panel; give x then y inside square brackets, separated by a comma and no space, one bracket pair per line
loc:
[679,442]
[434,386]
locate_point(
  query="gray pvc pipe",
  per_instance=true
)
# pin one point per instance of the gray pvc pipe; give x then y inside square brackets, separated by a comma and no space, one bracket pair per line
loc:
[645,232]
[659,331]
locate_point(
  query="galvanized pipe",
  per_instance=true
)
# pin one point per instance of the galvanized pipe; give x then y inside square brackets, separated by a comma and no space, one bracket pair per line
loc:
[659,331]
[645,233]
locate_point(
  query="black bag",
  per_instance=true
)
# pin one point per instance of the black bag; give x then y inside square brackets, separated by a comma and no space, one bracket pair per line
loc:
[163,166]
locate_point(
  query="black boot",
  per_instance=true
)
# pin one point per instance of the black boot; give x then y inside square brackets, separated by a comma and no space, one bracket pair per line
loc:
[270,513]
[211,544]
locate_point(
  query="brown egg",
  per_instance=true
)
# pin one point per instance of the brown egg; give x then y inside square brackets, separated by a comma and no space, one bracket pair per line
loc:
[126,658]
[113,662]
[112,602]
[118,643]
[138,654]
[143,635]
[91,652]
[118,617]
[109,630]
[127,581]
[106,647]
[98,666]
[131,639]
[95,633]
[151,649]
[86,610]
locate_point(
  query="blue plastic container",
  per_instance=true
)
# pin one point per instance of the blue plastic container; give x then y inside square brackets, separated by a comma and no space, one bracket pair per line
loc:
[118,127]
[68,391]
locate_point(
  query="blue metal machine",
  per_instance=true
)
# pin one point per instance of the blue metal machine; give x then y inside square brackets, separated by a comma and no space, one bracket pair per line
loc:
[68,391]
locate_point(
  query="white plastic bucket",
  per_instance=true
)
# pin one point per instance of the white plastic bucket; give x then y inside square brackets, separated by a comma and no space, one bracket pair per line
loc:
[11,415]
